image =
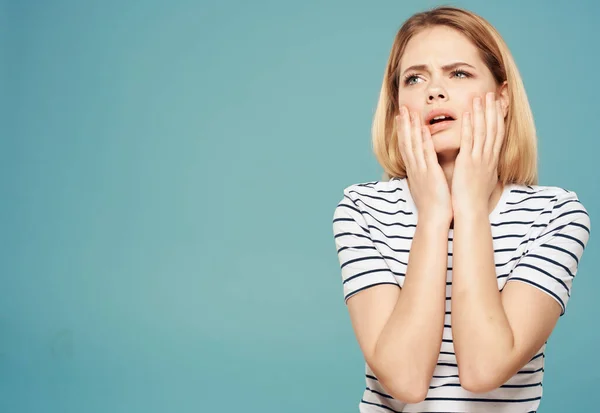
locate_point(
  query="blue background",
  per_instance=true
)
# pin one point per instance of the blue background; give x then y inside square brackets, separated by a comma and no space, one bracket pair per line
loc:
[169,173]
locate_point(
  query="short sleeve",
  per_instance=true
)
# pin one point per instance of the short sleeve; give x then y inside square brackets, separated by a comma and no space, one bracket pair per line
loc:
[552,259]
[361,263]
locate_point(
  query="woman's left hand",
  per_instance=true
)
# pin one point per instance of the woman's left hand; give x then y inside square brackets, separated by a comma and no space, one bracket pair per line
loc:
[476,168]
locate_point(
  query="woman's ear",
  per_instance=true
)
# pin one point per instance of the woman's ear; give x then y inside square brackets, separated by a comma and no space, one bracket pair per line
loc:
[504,98]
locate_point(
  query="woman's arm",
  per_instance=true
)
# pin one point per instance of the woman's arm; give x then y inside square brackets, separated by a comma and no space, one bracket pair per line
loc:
[400,330]
[495,333]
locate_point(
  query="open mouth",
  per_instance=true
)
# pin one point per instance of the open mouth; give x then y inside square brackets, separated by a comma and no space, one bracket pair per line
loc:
[442,118]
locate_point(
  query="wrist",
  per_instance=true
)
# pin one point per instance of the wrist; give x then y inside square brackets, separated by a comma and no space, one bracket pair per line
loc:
[474,213]
[435,221]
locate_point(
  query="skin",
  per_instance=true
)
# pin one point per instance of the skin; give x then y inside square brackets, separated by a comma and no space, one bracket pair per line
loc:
[455,89]
[453,178]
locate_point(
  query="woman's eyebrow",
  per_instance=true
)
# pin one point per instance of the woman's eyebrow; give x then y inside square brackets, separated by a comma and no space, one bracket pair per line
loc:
[450,66]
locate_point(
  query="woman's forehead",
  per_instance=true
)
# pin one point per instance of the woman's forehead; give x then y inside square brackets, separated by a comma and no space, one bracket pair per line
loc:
[439,46]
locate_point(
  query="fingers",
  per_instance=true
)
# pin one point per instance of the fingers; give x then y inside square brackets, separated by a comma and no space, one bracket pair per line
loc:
[429,149]
[499,130]
[466,143]
[404,139]
[486,134]
[417,140]
[478,127]
[491,121]
[410,139]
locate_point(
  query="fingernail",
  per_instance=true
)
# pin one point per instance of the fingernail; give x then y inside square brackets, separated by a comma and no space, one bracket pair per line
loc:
[478,101]
[402,110]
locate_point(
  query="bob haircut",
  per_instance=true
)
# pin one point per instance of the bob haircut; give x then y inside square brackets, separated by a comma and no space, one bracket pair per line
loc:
[518,157]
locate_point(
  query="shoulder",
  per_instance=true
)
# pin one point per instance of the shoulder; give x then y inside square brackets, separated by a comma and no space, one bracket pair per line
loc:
[552,197]
[553,205]
[378,203]
[379,198]
[374,191]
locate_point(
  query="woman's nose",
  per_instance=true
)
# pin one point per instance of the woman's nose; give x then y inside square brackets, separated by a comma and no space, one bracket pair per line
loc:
[436,95]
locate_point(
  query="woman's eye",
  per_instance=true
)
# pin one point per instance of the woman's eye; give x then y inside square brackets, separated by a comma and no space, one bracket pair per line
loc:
[460,74]
[411,80]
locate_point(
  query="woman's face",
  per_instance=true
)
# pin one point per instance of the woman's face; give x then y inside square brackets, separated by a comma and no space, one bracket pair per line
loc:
[441,70]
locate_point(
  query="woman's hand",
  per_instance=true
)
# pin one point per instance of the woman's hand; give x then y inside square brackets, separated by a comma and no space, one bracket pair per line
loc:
[476,168]
[428,185]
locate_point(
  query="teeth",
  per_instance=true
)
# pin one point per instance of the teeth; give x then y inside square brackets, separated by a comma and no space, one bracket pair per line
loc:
[439,118]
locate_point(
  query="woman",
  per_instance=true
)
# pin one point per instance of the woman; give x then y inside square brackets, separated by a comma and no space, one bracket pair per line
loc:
[455,269]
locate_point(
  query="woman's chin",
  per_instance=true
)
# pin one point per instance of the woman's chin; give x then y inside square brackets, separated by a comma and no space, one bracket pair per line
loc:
[446,142]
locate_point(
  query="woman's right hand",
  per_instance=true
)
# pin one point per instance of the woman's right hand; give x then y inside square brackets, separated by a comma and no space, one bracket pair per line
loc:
[428,185]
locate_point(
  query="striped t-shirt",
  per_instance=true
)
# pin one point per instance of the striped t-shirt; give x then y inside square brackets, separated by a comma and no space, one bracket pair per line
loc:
[539,234]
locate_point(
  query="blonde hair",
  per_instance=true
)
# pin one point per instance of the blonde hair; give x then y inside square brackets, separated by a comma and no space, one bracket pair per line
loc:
[518,157]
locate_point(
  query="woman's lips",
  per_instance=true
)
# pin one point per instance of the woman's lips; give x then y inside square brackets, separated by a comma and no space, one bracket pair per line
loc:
[436,127]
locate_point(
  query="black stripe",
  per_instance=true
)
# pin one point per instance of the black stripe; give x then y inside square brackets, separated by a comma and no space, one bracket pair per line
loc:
[521,386]
[374,257]
[343,234]
[537,356]
[523,209]
[513,236]
[382,223]
[519,191]
[556,229]
[456,399]
[350,220]
[505,386]
[378,197]
[369,184]
[391,236]
[390,191]
[544,271]
[531,197]
[387,396]
[507,249]
[367,272]
[379,405]
[571,238]
[445,364]
[562,250]
[393,249]
[400,211]
[508,262]
[499,224]
[445,385]
[357,247]
[577,224]
[565,203]
[372,247]
[576,211]
[446,377]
